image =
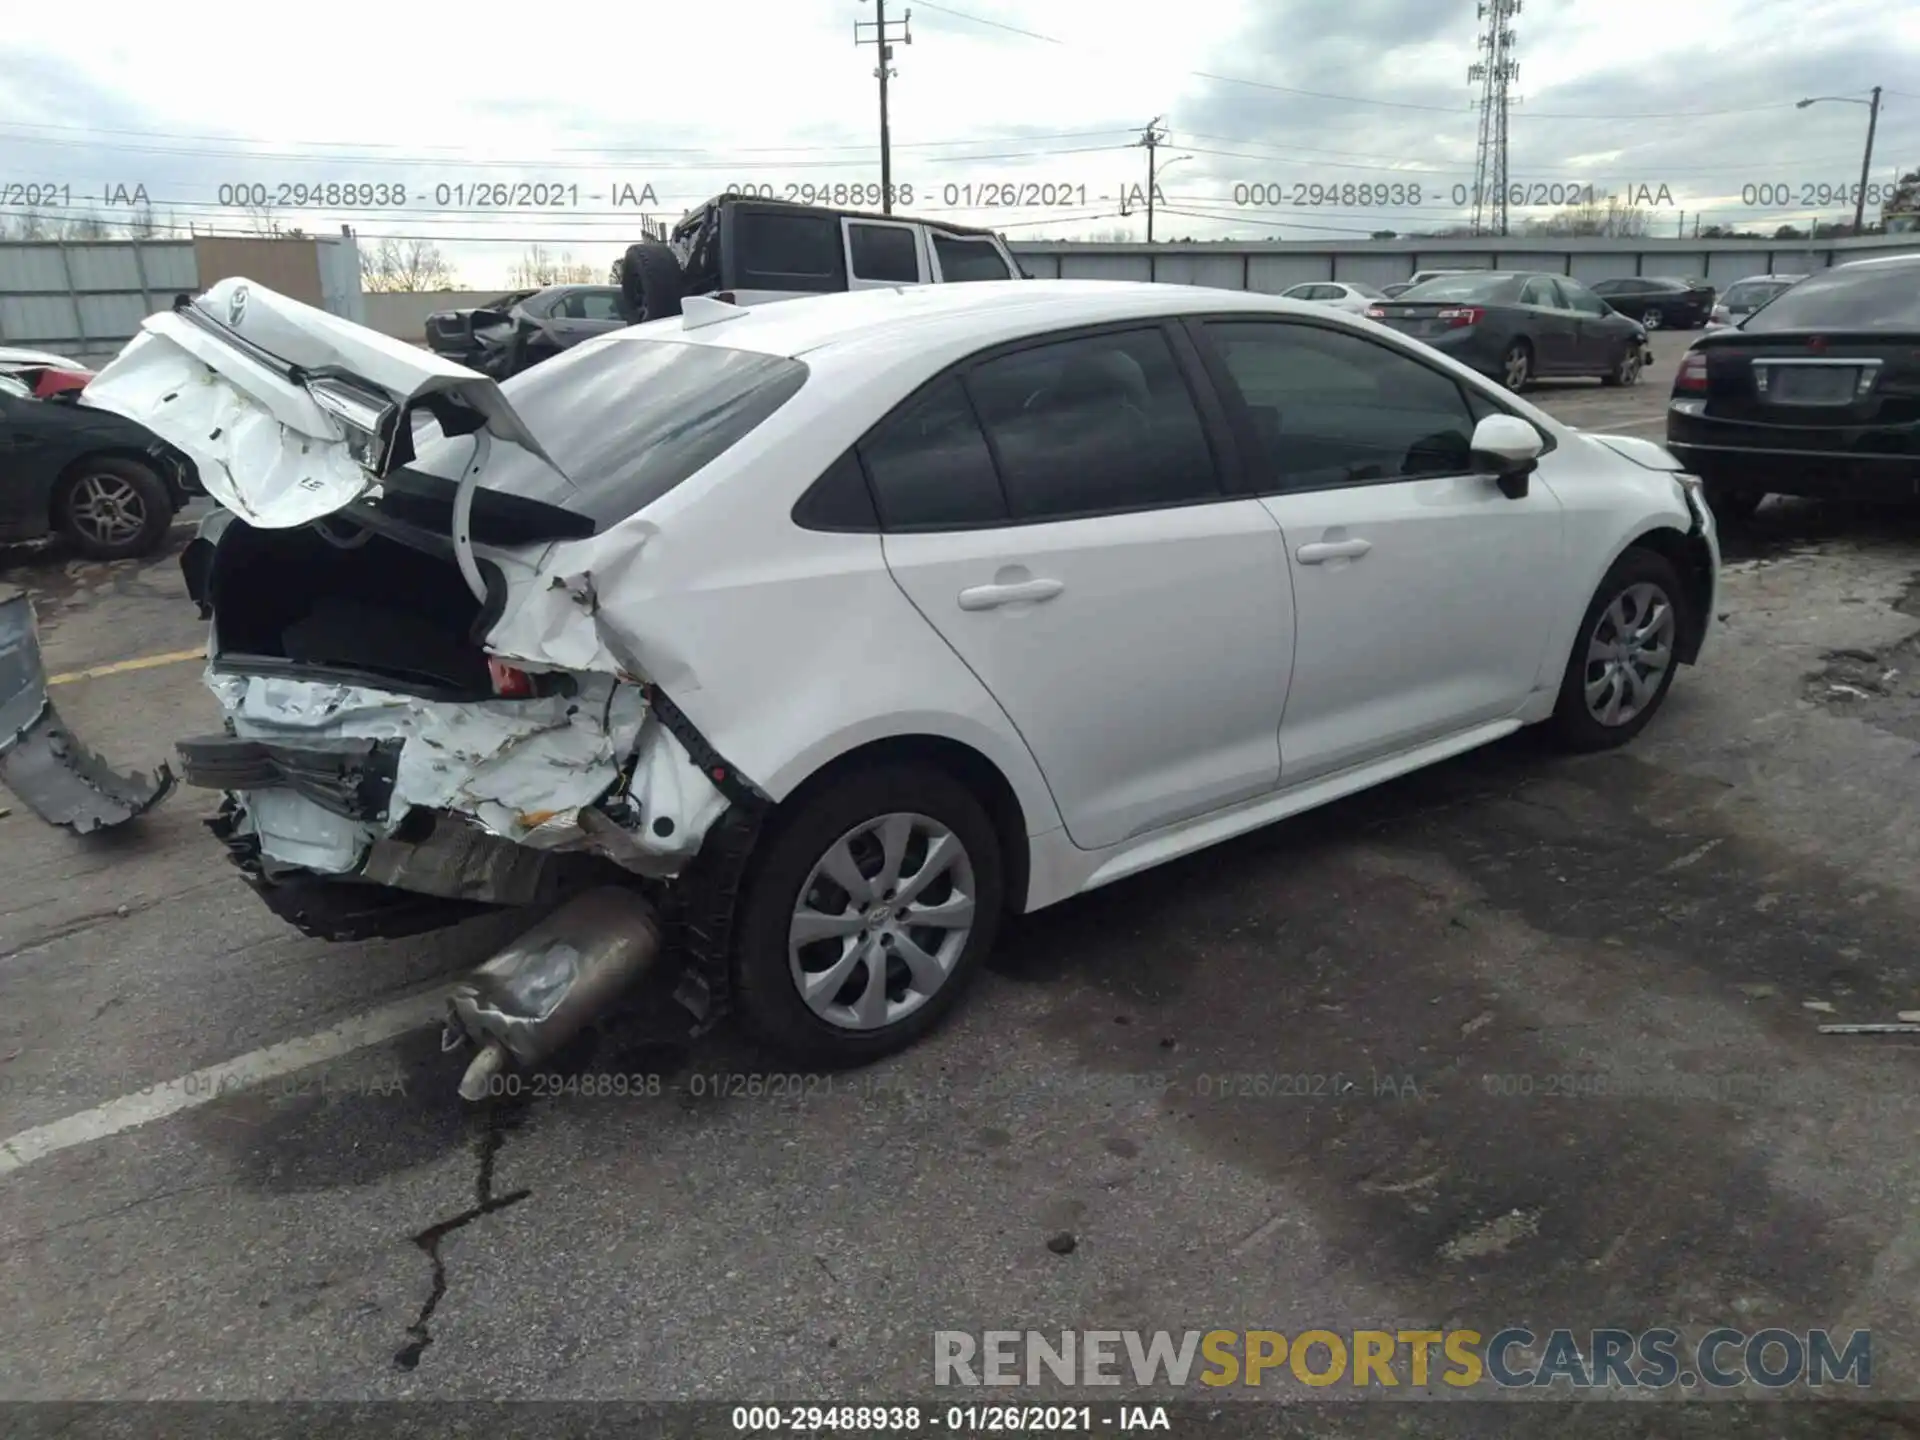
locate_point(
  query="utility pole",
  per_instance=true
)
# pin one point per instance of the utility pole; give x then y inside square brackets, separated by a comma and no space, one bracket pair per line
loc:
[1152,138]
[1866,164]
[1493,75]
[884,39]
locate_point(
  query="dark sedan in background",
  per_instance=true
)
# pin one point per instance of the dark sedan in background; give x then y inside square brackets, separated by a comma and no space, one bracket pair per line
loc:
[1817,393]
[110,486]
[515,331]
[1518,326]
[1659,301]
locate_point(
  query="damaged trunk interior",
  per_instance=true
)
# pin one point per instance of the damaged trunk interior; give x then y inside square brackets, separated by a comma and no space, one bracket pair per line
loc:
[347,603]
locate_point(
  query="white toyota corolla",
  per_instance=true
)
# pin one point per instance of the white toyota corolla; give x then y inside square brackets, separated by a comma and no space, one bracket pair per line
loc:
[817,637]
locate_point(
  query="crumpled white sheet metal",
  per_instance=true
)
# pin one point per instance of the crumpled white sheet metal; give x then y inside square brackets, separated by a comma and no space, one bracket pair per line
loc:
[524,769]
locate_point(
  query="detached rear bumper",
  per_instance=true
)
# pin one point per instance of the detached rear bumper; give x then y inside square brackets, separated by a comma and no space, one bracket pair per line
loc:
[53,774]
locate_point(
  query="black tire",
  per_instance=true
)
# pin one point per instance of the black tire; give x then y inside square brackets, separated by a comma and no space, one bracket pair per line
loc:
[1573,725]
[1653,319]
[1626,369]
[769,1001]
[141,494]
[1731,504]
[1516,366]
[651,284]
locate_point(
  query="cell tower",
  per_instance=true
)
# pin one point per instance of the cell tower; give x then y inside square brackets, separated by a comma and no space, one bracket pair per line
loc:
[1492,72]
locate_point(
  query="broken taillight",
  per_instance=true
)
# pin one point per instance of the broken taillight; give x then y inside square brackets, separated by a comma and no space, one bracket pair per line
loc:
[509,683]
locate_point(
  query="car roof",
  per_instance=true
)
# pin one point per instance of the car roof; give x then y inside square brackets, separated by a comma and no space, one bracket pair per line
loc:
[980,313]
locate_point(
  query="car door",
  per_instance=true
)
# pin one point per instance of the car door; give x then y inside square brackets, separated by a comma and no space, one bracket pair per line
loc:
[36,440]
[1057,513]
[1599,332]
[1422,594]
[1549,325]
[882,253]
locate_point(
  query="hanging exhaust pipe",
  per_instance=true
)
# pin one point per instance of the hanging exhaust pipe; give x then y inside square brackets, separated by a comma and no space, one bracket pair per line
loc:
[545,987]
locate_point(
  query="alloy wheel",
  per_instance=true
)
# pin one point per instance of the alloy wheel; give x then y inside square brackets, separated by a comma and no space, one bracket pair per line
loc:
[1651,319]
[881,921]
[1517,366]
[1629,371]
[108,509]
[1629,653]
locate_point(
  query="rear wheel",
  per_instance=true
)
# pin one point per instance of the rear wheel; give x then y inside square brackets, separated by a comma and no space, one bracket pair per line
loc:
[1623,654]
[112,508]
[1653,319]
[1516,366]
[868,912]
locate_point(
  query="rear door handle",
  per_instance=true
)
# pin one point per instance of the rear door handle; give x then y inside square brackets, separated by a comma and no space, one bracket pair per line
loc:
[1325,550]
[991,597]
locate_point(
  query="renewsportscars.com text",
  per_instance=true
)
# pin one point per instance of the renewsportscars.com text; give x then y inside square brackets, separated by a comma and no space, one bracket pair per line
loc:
[1511,1358]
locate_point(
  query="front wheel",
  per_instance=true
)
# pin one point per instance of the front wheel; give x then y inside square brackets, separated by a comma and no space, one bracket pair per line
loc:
[1626,370]
[867,914]
[1653,320]
[1516,366]
[1623,654]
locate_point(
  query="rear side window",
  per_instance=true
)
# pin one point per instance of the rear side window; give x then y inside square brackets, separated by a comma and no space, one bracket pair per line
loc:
[961,259]
[930,465]
[1874,297]
[883,252]
[597,305]
[801,250]
[1096,424]
[627,420]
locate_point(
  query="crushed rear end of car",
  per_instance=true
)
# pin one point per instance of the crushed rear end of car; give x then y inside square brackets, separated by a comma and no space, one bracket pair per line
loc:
[429,712]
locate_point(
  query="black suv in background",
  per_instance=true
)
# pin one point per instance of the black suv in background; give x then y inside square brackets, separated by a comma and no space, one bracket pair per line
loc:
[1659,301]
[747,250]
[517,330]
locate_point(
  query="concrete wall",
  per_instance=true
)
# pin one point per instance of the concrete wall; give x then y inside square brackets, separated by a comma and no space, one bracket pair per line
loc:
[1271,266]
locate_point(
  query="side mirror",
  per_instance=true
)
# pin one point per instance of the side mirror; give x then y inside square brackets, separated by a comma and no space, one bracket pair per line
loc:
[1507,448]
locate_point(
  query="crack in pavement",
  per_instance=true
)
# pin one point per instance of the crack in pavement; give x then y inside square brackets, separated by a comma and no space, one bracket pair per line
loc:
[486,1147]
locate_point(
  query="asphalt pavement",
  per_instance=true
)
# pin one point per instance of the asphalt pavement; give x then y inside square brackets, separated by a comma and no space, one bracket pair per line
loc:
[1321,1077]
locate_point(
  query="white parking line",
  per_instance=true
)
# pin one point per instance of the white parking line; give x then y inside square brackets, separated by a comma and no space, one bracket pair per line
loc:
[170,1097]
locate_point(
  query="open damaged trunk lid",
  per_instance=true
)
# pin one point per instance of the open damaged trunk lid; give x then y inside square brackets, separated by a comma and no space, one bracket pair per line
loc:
[290,413]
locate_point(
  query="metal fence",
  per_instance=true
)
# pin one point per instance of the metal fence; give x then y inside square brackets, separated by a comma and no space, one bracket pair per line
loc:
[86,298]
[1272,266]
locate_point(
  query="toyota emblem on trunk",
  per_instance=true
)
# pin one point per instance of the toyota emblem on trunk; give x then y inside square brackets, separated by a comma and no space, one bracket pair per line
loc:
[237,305]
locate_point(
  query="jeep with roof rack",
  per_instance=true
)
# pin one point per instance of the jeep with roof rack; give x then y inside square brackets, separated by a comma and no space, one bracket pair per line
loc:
[746,250]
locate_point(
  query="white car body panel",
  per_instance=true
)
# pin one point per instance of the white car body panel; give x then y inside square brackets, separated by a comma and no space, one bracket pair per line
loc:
[14,358]
[1160,719]
[1185,724]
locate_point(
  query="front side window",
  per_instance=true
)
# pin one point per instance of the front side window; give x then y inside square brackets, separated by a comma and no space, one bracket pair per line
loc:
[1332,409]
[1098,423]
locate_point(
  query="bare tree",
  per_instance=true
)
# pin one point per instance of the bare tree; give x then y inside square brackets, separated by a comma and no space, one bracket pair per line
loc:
[412,265]
[261,220]
[86,227]
[29,224]
[536,269]
[141,225]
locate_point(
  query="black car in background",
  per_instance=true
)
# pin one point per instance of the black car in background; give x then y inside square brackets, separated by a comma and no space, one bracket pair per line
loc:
[1518,326]
[514,331]
[109,485]
[1659,301]
[1816,393]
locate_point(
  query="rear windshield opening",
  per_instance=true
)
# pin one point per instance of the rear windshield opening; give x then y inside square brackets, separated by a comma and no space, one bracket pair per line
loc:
[625,419]
[1874,297]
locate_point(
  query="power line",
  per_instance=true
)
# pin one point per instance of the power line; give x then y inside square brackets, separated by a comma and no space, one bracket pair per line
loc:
[1372,100]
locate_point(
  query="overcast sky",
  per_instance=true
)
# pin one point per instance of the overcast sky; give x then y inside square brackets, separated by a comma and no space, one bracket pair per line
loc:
[1278,105]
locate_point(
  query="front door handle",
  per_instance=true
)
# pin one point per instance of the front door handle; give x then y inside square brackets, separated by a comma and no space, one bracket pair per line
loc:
[991,597]
[1325,550]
